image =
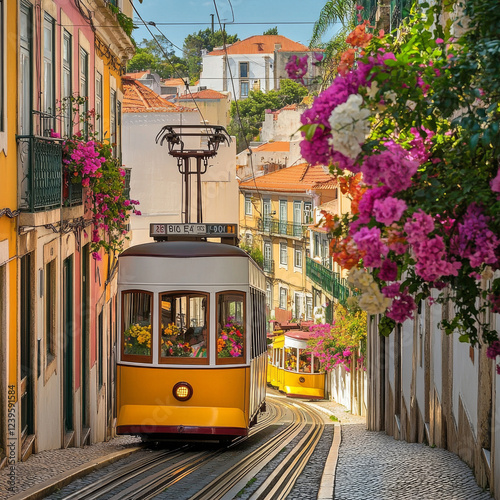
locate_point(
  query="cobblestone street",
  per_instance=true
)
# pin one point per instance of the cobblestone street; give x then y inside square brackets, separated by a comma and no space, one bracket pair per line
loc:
[371,466]
[375,466]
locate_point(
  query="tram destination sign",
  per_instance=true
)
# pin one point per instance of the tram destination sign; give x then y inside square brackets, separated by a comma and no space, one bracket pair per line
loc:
[192,229]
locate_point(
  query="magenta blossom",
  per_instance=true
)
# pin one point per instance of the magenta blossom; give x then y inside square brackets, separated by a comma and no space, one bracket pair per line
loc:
[388,210]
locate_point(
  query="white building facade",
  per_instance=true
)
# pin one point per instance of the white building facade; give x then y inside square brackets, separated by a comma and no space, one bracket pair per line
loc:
[256,63]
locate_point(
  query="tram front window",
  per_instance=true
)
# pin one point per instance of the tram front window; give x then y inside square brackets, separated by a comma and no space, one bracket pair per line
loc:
[304,361]
[291,359]
[231,326]
[136,313]
[184,332]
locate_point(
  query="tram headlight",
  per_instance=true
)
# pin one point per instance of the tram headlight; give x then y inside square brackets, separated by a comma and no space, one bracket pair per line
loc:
[182,391]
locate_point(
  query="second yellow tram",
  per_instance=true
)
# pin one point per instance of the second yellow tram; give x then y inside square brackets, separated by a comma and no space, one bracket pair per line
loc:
[293,369]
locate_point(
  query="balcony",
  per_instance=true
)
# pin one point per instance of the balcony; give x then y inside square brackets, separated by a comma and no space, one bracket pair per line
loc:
[329,281]
[126,187]
[268,266]
[270,226]
[40,165]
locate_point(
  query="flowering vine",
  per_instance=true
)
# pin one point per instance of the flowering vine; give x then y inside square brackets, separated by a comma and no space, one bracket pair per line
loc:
[335,344]
[410,127]
[91,162]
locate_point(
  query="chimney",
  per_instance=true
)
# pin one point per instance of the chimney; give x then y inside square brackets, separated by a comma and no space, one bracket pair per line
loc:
[277,46]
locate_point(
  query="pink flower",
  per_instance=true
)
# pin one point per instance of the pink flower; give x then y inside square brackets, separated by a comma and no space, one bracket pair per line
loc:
[368,241]
[439,40]
[495,183]
[388,271]
[96,256]
[388,210]
[392,167]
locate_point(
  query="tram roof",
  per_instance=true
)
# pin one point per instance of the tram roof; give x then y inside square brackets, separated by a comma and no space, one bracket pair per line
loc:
[184,249]
[298,334]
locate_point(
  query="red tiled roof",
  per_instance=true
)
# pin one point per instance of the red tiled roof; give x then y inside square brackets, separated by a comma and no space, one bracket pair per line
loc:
[329,184]
[288,107]
[298,178]
[174,82]
[261,44]
[138,98]
[203,94]
[276,146]
[138,74]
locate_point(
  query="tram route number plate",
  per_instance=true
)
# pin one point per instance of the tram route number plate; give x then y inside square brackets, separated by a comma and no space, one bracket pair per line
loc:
[192,229]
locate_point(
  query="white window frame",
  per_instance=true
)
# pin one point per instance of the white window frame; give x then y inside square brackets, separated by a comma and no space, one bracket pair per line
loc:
[248,204]
[98,106]
[309,308]
[283,254]
[283,298]
[49,63]
[66,83]
[297,259]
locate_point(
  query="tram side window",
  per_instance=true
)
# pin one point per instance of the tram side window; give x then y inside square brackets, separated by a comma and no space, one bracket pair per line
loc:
[291,359]
[184,323]
[231,326]
[305,358]
[317,365]
[137,312]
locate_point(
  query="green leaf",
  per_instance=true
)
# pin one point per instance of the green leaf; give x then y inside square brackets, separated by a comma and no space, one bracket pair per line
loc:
[386,326]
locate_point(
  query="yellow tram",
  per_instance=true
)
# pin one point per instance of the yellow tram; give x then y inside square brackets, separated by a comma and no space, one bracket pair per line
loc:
[293,369]
[192,350]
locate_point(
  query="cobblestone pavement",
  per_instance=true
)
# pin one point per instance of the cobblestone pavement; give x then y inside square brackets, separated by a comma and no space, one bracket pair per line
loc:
[49,464]
[375,466]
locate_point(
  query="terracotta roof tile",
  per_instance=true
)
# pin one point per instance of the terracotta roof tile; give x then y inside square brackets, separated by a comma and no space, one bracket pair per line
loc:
[174,82]
[329,184]
[138,74]
[203,94]
[280,146]
[141,99]
[298,178]
[261,44]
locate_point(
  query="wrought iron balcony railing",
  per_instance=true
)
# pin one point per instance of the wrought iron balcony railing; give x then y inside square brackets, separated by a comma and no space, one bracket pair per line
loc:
[268,266]
[328,280]
[126,187]
[40,161]
[271,226]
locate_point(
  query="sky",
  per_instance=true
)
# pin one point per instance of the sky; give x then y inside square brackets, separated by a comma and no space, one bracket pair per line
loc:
[242,17]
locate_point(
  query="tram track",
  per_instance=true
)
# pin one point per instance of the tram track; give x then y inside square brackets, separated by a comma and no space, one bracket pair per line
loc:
[149,486]
[155,474]
[279,484]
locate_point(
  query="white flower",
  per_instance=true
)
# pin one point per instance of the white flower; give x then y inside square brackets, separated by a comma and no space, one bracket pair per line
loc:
[487,273]
[349,126]
[374,302]
[359,278]
[372,92]
[390,96]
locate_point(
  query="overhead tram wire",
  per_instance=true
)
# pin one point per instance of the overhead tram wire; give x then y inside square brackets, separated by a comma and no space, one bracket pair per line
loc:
[236,100]
[167,58]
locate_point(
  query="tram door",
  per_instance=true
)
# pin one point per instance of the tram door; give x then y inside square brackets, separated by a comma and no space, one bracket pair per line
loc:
[281,368]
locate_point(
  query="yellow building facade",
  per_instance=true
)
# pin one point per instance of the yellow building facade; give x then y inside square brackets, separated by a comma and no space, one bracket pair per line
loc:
[275,213]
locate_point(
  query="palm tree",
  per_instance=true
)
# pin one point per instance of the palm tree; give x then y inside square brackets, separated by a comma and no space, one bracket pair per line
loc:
[344,12]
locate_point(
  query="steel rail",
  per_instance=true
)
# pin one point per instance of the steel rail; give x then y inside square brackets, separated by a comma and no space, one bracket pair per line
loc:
[110,481]
[236,477]
[147,488]
[280,482]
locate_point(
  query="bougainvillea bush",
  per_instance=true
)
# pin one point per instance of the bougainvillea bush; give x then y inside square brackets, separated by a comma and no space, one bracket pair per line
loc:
[91,162]
[336,344]
[411,128]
